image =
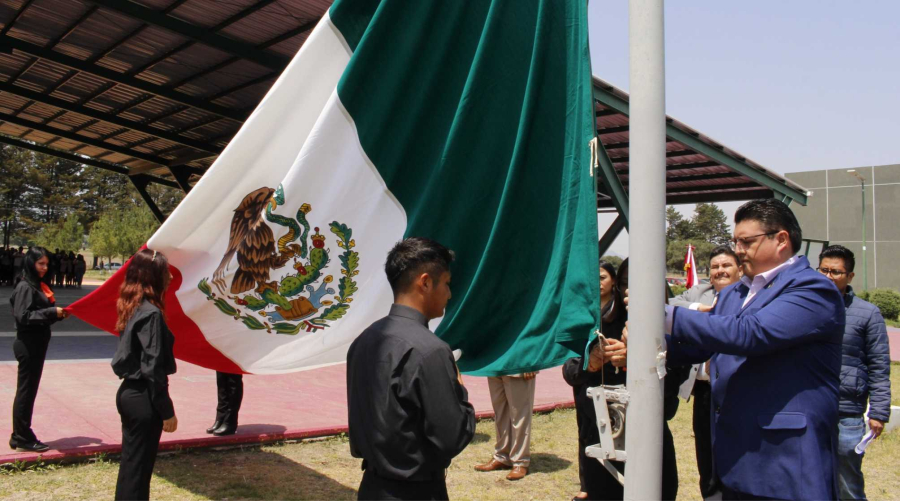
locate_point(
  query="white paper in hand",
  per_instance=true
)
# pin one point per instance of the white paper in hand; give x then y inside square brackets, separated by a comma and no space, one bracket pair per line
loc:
[861,446]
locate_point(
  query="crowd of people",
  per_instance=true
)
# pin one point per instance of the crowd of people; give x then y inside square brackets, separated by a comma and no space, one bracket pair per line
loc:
[64,269]
[781,361]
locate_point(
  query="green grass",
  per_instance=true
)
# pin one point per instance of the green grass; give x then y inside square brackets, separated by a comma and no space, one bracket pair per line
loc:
[324,469]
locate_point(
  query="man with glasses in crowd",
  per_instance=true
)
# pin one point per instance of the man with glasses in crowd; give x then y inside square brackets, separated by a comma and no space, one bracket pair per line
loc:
[724,270]
[774,341]
[865,373]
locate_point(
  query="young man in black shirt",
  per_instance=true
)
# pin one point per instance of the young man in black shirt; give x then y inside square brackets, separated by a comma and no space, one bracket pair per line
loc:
[409,413]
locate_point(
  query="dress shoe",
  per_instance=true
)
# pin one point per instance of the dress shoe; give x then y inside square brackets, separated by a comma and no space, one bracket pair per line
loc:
[36,446]
[517,473]
[225,430]
[492,465]
[215,426]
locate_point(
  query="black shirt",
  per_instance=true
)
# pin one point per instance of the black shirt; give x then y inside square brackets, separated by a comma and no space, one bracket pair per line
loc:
[145,353]
[32,310]
[408,414]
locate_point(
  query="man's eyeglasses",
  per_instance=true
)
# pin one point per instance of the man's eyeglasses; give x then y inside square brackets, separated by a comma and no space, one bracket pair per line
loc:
[830,272]
[746,242]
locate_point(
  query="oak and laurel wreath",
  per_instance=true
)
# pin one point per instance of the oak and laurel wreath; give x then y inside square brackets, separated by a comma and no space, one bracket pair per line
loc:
[346,288]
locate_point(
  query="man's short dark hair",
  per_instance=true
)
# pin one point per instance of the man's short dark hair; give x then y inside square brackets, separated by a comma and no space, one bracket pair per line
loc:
[839,252]
[413,256]
[724,249]
[774,216]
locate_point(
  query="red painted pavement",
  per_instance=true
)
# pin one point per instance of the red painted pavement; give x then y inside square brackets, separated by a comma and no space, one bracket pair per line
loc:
[894,339]
[75,413]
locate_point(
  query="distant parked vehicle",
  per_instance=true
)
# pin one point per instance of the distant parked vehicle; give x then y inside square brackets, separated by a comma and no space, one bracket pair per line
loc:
[704,280]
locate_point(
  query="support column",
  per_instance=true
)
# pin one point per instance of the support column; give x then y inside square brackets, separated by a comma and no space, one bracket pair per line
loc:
[647,254]
[140,183]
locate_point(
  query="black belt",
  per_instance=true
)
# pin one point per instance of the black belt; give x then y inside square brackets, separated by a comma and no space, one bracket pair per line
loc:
[419,477]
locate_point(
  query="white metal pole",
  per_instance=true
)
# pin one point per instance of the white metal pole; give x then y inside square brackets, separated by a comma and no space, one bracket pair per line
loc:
[646,248]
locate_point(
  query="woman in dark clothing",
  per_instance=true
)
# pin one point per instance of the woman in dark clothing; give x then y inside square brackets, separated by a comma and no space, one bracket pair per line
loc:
[33,308]
[596,481]
[143,360]
[80,268]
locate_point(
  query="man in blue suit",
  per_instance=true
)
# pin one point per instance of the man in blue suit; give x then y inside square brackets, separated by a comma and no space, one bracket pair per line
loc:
[775,343]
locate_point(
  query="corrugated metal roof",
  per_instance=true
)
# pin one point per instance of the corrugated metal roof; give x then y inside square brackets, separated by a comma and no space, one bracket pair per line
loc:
[158,87]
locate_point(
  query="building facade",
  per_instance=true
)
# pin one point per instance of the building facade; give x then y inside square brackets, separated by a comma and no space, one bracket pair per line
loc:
[834,213]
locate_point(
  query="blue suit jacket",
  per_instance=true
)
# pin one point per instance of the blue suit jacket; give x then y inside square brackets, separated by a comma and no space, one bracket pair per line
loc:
[775,376]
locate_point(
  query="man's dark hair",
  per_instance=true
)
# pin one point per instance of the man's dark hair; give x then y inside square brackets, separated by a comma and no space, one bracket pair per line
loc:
[724,249]
[839,252]
[413,256]
[774,216]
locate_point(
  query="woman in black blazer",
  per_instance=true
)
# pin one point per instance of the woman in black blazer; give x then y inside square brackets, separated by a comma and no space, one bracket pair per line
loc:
[143,360]
[34,310]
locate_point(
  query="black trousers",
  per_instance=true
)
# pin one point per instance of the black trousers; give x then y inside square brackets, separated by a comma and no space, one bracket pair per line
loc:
[141,429]
[374,487]
[601,485]
[703,438]
[30,351]
[231,393]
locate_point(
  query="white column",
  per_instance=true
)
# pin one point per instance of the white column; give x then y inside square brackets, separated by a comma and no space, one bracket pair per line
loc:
[646,247]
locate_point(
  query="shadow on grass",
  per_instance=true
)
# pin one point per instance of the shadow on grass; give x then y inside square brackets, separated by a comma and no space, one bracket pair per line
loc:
[248,473]
[480,438]
[547,463]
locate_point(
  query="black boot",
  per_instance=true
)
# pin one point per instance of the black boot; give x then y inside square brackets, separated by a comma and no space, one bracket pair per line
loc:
[225,429]
[215,426]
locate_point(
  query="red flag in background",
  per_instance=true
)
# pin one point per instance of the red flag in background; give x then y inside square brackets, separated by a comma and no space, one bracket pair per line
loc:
[690,267]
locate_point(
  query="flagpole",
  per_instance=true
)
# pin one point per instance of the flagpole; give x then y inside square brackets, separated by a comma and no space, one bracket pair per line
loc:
[647,195]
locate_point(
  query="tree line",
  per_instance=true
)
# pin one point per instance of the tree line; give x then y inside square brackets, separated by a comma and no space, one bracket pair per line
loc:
[706,229]
[61,204]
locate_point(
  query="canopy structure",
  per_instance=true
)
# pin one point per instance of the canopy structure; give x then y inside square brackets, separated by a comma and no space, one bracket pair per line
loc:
[156,89]
[698,168]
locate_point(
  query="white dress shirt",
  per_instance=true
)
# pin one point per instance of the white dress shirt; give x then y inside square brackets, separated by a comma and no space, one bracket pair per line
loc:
[756,284]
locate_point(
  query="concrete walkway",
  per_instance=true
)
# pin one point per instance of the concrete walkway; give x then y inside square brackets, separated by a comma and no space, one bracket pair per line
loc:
[75,413]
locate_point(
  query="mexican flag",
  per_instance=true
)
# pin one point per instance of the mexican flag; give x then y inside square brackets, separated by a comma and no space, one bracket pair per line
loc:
[465,122]
[690,267]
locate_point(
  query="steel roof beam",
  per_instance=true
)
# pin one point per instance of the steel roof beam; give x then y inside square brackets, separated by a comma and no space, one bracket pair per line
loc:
[106,117]
[693,142]
[140,182]
[670,154]
[65,134]
[120,78]
[607,173]
[196,33]
[611,233]
[729,161]
[712,197]
[287,35]
[68,155]
[15,18]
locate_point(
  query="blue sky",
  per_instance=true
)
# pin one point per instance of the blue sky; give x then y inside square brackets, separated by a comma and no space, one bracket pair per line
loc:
[793,84]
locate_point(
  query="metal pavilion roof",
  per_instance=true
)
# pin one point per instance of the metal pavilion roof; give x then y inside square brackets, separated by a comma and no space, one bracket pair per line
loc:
[698,168]
[156,89]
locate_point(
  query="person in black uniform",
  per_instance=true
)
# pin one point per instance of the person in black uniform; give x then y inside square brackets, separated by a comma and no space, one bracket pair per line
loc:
[34,311]
[612,314]
[230,394]
[143,361]
[409,413]
[602,370]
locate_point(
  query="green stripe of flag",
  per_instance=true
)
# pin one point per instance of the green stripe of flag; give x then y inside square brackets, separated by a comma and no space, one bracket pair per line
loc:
[478,115]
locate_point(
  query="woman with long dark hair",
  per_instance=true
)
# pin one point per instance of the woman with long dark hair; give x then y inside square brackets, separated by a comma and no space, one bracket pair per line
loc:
[34,310]
[143,360]
[596,482]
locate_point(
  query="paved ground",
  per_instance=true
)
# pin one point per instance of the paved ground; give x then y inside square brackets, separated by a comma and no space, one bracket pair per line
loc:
[76,415]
